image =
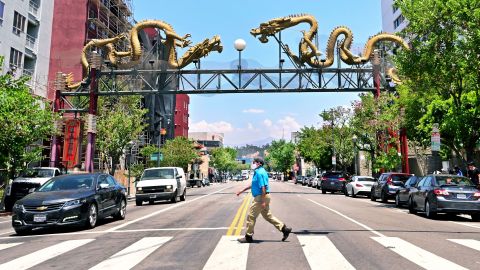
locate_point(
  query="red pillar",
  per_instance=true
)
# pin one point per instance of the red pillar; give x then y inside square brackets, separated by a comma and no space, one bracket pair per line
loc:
[404,150]
[92,120]
[57,105]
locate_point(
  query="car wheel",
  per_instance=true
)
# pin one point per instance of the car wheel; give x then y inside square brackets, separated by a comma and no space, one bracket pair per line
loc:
[475,217]
[184,195]
[353,193]
[138,202]
[22,231]
[372,196]
[411,206]
[174,198]
[383,197]
[428,211]
[397,200]
[122,210]
[92,216]
[324,191]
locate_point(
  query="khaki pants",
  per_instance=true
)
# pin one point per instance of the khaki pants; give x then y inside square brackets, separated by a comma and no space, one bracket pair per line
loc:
[256,209]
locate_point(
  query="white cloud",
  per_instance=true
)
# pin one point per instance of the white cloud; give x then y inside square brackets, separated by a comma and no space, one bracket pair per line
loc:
[219,127]
[250,126]
[267,122]
[253,111]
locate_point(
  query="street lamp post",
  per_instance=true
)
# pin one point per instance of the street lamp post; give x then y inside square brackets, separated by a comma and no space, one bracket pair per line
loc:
[354,140]
[240,45]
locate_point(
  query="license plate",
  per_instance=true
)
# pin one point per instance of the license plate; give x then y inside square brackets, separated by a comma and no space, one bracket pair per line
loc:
[461,196]
[153,196]
[39,218]
[332,183]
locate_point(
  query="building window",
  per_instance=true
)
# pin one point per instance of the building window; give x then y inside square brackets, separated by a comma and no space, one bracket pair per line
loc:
[398,21]
[15,58]
[2,8]
[394,8]
[18,23]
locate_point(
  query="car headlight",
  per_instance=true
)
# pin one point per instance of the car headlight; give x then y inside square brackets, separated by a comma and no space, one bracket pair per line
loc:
[139,188]
[169,186]
[74,202]
[18,207]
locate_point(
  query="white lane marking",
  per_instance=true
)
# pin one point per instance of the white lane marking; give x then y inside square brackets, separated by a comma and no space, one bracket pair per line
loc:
[9,232]
[415,254]
[348,218]
[133,254]
[122,231]
[471,243]
[321,253]
[465,224]
[5,246]
[42,255]
[229,254]
[162,210]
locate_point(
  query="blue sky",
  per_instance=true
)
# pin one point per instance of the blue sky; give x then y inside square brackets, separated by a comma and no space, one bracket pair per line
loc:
[245,118]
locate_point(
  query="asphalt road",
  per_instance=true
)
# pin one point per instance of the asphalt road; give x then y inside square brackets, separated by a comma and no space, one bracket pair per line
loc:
[330,231]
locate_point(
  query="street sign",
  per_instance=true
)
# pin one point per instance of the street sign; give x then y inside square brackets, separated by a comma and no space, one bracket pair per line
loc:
[156,156]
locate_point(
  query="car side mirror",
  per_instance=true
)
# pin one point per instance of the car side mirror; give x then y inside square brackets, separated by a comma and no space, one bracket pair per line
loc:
[179,177]
[103,186]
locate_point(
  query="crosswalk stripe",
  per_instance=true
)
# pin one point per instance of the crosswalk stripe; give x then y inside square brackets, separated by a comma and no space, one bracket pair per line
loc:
[415,254]
[42,255]
[229,254]
[133,254]
[5,246]
[471,243]
[321,253]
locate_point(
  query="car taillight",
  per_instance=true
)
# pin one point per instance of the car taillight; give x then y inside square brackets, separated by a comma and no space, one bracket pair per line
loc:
[440,192]
[324,178]
[341,179]
[476,194]
[358,185]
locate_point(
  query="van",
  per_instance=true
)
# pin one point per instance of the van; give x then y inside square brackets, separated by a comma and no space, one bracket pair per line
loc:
[161,183]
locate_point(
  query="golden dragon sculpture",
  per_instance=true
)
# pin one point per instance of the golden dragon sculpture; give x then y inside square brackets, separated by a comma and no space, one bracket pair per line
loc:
[172,40]
[309,52]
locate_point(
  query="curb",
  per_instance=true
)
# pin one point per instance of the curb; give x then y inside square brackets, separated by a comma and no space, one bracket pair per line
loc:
[4,214]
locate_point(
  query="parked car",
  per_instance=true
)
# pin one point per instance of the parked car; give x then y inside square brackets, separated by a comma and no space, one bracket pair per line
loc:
[27,182]
[67,200]
[333,181]
[359,185]
[300,179]
[315,181]
[161,183]
[438,193]
[401,198]
[387,185]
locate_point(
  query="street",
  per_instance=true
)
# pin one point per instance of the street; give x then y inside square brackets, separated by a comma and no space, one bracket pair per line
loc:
[330,231]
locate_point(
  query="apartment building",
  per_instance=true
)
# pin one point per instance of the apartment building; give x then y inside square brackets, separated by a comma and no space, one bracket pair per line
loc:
[392,18]
[26,31]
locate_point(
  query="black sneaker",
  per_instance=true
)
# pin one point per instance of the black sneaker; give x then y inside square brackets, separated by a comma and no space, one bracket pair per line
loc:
[246,239]
[286,231]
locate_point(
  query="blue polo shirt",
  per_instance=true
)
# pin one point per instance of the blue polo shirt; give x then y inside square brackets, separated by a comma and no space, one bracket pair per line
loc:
[259,180]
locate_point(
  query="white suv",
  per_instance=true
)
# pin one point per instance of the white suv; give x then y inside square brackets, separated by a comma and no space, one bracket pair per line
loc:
[162,183]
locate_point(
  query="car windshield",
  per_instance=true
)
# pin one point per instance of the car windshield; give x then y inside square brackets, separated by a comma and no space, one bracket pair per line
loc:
[453,181]
[68,183]
[400,178]
[365,179]
[333,175]
[37,172]
[158,174]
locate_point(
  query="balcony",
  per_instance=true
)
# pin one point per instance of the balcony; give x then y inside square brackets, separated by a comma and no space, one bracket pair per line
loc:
[31,74]
[33,8]
[31,43]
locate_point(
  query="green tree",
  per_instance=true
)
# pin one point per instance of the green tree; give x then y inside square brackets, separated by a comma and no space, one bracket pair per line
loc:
[178,152]
[281,156]
[314,147]
[223,159]
[442,68]
[120,121]
[26,121]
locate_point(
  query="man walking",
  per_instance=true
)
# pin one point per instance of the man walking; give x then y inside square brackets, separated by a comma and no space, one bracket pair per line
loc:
[473,173]
[261,194]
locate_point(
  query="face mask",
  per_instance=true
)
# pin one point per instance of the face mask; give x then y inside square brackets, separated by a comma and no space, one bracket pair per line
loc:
[253,166]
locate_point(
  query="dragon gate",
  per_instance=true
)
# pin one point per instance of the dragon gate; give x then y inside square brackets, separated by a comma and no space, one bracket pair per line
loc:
[155,70]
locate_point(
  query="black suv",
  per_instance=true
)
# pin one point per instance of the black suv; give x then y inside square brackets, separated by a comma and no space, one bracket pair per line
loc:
[388,185]
[333,181]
